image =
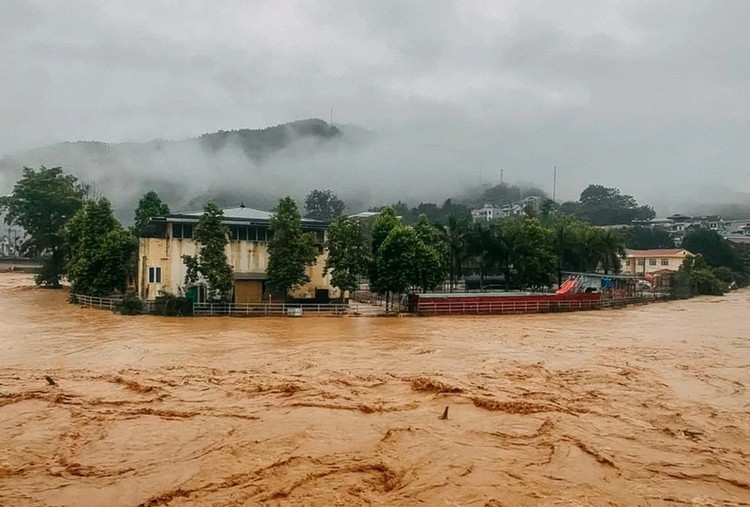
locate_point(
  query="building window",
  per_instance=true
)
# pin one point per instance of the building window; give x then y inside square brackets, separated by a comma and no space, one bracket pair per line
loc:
[665,262]
[319,237]
[154,274]
[182,231]
[252,234]
[652,262]
[264,234]
[627,262]
[641,262]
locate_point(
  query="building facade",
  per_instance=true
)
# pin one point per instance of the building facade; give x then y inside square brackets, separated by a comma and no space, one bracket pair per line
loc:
[643,262]
[489,212]
[167,239]
[678,225]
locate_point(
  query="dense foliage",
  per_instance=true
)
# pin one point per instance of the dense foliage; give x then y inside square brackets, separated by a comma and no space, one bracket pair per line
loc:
[727,261]
[131,304]
[149,206]
[348,256]
[42,202]
[435,213]
[600,205]
[170,305]
[647,238]
[701,278]
[210,263]
[323,205]
[100,250]
[290,251]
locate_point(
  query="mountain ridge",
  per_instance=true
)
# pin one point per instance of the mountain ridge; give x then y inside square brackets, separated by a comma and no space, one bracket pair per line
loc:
[213,165]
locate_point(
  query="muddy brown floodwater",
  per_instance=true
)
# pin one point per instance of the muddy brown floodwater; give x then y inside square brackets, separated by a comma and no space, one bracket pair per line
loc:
[642,406]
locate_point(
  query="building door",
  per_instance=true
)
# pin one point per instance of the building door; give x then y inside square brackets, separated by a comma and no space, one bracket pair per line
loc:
[248,291]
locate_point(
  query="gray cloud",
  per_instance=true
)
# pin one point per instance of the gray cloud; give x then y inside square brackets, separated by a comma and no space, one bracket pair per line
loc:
[652,97]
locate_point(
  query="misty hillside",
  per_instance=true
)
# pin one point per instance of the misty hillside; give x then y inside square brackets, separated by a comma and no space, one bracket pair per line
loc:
[225,166]
[258,144]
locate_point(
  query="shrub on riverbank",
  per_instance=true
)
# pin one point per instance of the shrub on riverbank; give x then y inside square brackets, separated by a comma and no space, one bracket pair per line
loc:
[131,304]
[170,305]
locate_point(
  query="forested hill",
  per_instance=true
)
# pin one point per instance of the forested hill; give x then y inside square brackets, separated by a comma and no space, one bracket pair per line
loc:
[255,143]
[211,166]
[260,143]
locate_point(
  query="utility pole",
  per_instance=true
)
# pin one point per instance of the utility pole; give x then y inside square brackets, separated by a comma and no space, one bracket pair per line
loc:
[331,122]
[502,172]
[554,185]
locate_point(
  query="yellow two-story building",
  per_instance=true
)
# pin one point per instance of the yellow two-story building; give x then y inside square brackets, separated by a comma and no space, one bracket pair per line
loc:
[643,262]
[166,239]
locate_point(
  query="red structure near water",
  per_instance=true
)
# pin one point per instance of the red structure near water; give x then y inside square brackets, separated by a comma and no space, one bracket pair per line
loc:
[503,303]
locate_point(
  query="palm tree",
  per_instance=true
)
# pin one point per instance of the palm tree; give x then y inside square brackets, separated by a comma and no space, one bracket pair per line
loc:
[487,245]
[453,237]
[606,248]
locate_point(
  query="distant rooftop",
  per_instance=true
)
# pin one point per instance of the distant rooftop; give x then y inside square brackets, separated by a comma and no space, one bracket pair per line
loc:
[238,213]
[657,252]
[365,214]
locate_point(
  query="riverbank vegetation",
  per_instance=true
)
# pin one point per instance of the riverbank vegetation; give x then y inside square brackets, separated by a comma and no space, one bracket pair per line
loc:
[401,249]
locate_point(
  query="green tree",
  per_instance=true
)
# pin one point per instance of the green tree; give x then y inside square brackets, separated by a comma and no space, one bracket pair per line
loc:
[501,194]
[647,238]
[716,250]
[607,248]
[101,250]
[453,238]
[385,222]
[600,205]
[290,251]
[487,248]
[398,261]
[426,232]
[570,244]
[431,268]
[348,255]
[702,279]
[531,254]
[451,209]
[323,205]
[548,209]
[149,206]
[41,203]
[211,262]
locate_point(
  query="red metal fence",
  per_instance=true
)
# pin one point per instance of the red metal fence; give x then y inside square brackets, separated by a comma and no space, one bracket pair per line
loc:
[489,305]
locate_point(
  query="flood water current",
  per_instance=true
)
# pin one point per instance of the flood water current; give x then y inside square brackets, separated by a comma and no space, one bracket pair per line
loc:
[647,405]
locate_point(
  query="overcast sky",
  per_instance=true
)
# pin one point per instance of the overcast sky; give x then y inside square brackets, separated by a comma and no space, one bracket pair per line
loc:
[652,97]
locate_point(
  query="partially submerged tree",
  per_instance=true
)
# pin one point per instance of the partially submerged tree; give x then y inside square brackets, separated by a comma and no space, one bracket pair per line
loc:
[397,260]
[290,251]
[149,206]
[716,251]
[430,265]
[101,250]
[348,255]
[42,202]
[531,257]
[323,205]
[453,236]
[385,222]
[701,278]
[210,263]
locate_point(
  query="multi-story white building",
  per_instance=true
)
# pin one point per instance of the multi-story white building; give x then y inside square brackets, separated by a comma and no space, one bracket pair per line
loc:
[490,212]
